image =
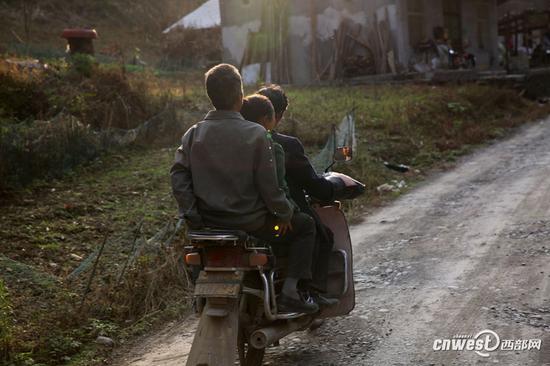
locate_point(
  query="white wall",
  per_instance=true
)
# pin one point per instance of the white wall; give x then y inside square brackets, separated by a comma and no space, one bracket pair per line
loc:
[487,56]
[238,17]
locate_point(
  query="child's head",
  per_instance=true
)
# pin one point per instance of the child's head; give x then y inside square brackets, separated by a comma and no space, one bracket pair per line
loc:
[278,98]
[224,87]
[257,108]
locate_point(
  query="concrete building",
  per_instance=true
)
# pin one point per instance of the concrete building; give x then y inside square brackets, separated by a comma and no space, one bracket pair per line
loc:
[387,29]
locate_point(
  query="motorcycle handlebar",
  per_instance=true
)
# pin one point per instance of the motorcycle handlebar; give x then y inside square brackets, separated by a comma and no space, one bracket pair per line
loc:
[345,187]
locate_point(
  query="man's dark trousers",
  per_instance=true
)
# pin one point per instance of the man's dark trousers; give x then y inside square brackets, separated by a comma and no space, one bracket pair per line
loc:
[302,179]
[300,242]
[324,243]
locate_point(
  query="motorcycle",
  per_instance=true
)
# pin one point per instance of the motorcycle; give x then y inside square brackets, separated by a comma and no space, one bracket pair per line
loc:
[461,60]
[436,55]
[240,278]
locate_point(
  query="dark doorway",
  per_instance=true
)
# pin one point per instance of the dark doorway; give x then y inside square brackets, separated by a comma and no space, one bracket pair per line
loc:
[417,21]
[452,18]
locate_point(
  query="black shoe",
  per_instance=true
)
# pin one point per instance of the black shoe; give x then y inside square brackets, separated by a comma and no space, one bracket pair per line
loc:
[323,301]
[287,304]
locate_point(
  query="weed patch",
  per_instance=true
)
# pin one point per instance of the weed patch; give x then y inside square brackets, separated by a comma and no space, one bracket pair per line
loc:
[6,323]
[54,119]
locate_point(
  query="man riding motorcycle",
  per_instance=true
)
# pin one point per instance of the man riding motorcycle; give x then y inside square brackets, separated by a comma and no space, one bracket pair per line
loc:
[302,179]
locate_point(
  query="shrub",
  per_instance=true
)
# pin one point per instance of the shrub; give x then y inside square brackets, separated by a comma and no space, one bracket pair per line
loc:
[61,347]
[43,149]
[20,98]
[77,109]
[83,64]
[110,100]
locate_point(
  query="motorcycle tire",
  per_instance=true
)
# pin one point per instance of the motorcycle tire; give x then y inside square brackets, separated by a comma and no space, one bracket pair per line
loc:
[248,355]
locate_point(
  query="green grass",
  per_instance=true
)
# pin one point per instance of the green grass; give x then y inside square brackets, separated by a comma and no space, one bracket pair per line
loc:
[47,223]
[6,323]
[420,126]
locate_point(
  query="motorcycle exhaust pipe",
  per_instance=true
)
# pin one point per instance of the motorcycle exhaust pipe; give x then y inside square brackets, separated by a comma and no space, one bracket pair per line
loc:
[263,337]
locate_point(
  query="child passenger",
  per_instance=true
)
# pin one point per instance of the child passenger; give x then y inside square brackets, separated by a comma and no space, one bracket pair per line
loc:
[258,108]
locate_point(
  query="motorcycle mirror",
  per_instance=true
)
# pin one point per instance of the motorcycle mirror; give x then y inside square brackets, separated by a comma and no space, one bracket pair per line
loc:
[344,153]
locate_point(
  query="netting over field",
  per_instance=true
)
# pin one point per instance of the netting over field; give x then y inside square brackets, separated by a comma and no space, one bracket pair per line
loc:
[343,135]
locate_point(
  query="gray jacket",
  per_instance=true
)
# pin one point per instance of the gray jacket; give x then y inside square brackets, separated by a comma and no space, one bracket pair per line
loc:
[224,174]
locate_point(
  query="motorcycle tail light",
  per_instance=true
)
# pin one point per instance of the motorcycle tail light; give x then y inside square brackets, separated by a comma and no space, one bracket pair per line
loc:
[193,259]
[232,257]
[257,259]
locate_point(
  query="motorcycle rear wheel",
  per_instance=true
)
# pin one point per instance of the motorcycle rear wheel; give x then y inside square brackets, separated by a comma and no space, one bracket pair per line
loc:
[248,355]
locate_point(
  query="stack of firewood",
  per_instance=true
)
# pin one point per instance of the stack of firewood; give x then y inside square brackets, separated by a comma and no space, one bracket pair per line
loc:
[270,44]
[356,55]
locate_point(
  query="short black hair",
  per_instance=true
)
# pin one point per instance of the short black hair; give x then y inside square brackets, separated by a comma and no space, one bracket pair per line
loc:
[224,86]
[255,107]
[277,96]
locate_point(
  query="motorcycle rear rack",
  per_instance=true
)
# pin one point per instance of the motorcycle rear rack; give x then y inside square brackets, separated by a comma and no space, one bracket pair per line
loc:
[225,238]
[269,298]
[215,242]
[268,295]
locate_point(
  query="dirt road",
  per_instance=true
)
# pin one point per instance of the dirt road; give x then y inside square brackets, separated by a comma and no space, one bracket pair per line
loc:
[468,250]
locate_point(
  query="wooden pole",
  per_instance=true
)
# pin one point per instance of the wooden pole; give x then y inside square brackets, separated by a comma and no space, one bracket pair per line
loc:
[92,275]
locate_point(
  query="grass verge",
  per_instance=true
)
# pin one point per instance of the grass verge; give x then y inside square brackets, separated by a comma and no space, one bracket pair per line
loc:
[422,126]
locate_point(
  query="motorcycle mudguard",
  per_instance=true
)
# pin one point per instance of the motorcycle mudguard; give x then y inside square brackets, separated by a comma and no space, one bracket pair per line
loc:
[340,279]
[215,341]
